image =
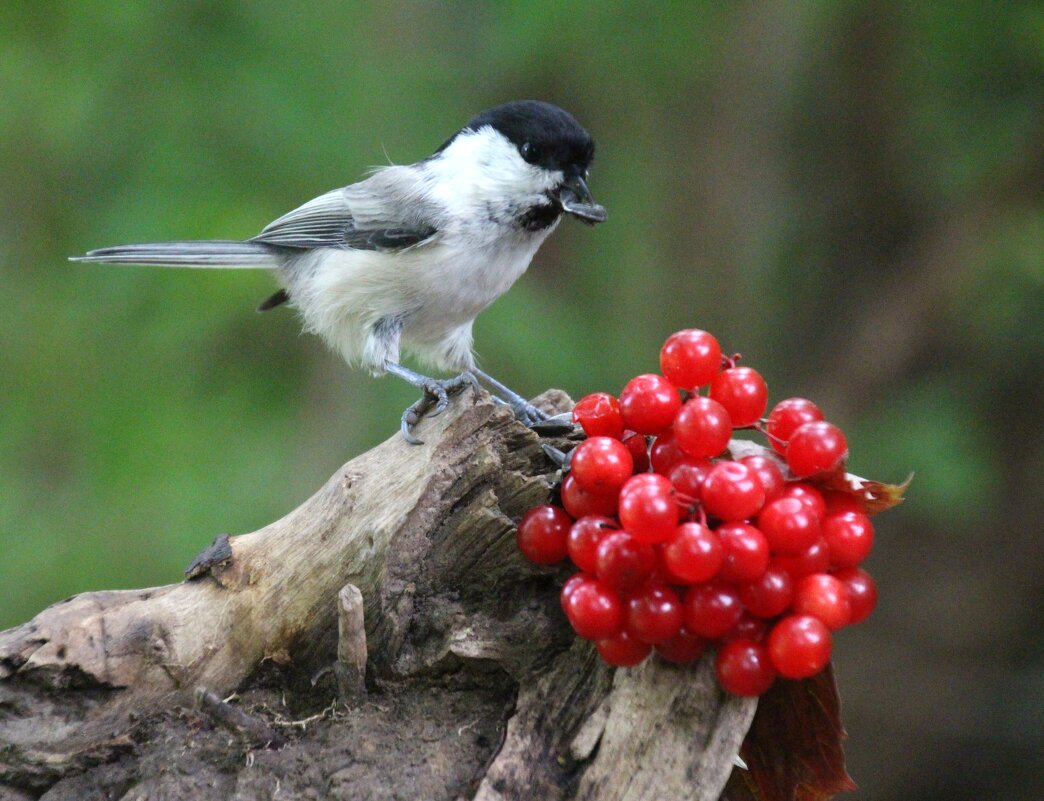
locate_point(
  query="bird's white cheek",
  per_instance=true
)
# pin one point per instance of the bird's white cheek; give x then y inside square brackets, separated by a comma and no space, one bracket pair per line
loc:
[482,174]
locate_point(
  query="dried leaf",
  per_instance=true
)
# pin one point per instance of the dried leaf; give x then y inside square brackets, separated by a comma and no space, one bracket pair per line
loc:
[794,746]
[875,495]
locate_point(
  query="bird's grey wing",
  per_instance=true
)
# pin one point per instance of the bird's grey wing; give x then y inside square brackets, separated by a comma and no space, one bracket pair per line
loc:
[329,222]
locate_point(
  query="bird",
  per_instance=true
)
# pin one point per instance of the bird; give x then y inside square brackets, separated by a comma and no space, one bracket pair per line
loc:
[403,261]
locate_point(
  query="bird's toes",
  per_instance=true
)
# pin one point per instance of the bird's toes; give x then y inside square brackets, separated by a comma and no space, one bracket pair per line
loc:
[410,418]
[436,397]
[466,379]
[433,402]
[528,413]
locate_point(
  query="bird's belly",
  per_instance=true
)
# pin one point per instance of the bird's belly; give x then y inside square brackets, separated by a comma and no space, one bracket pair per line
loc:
[457,284]
[431,292]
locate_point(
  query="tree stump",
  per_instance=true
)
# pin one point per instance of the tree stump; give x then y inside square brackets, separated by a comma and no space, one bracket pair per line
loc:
[385,640]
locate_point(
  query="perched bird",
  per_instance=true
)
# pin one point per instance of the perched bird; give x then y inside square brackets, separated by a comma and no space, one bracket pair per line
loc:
[407,258]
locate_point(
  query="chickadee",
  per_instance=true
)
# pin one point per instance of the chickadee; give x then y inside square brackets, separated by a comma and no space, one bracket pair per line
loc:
[407,258]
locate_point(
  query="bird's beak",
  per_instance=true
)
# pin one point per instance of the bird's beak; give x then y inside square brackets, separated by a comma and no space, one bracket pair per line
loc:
[576,199]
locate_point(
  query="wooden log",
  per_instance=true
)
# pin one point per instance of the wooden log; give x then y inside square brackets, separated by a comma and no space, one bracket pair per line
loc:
[462,636]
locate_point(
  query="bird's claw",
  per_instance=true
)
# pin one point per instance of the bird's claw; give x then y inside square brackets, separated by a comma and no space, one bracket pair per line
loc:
[410,418]
[433,402]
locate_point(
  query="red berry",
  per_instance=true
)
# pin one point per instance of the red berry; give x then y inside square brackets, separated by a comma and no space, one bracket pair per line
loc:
[789,526]
[687,475]
[746,552]
[809,495]
[748,627]
[816,448]
[786,416]
[646,481]
[743,393]
[799,646]
[732,491]
[837,501]
[690,358]
[693,554]
[594,610]
[814,559]
[663,570]
[769,594]
[571,584]
[682,647]
[581,503]
[711,610]
[623,650]
[542,534]
[862,592]
[647,507]
[639,449]
[703,428]
[849,537]
[664,452]
[584,537]
[653,614]
[622,562]
[601,464]
[599,415]
[769,472]
[743,668]
[823,597]
[648,404]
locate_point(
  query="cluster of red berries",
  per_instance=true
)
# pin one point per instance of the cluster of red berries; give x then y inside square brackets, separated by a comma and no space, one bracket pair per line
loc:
[680,546]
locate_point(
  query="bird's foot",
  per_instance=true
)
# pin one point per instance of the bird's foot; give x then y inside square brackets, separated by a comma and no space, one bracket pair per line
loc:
[528,414]
[433,402]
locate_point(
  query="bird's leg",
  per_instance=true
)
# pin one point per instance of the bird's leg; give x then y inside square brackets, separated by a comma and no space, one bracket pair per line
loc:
[433,402]
[525,411]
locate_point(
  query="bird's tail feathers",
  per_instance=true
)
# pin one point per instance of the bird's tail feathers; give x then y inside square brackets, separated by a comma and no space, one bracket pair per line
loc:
[202,253]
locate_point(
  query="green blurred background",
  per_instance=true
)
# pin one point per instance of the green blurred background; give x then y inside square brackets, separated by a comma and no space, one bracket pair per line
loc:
[848,193]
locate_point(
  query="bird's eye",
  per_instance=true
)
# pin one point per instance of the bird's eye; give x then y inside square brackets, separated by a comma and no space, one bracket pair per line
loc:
[529,152]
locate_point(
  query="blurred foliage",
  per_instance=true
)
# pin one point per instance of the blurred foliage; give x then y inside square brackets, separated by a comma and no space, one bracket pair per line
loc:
[848,193]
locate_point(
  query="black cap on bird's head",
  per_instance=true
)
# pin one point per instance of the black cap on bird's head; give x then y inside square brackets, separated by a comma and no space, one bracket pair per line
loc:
[549,137]
[544,134]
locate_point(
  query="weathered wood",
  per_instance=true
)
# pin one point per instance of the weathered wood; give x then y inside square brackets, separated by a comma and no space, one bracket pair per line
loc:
[350,666]
[464,639]
[666,727]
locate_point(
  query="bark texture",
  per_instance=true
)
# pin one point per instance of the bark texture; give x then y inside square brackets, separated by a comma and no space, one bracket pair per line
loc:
[244,682]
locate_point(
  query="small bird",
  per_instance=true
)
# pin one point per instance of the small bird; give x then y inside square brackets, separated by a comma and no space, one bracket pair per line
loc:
[407,258]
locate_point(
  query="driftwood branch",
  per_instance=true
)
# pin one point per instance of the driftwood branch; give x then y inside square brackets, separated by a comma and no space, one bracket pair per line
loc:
[475,687]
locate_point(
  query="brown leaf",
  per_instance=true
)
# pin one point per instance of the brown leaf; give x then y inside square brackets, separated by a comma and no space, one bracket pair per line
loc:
[793,749]
[875,495]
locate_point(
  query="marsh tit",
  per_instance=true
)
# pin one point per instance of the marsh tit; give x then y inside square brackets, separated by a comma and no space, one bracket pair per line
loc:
[407,258]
